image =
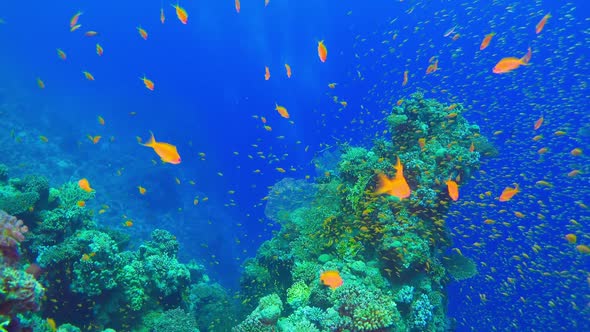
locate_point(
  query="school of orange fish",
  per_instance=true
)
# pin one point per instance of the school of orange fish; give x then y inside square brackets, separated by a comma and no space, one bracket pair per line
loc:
[517,216]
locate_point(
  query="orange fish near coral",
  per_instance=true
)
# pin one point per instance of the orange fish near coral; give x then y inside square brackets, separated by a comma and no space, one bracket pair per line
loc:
[508,193]
[322,51]
[539,27]
[486,41]
[167,152]
[85,185]
[405,81]
[510,63]
[453,189]
[398,186]
[331,279]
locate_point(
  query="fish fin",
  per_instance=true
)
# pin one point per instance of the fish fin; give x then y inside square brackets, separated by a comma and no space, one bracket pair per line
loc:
[382,185]
[398,165]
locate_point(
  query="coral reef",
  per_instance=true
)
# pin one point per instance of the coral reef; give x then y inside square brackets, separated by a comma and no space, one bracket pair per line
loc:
[94,281]
[19,290]
[388,251]
[173,320]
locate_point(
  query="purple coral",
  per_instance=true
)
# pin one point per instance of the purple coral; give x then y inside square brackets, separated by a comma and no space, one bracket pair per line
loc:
[11,234]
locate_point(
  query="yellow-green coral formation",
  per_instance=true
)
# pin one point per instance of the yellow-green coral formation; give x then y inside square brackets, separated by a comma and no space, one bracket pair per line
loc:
[376,242]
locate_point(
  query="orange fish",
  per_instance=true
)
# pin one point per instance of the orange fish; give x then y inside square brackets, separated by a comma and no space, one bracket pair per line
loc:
[510,63]
[142,190]
[453,189]
[162,17]
[149,84]
[43,139]
[40,83]
[99,49]
[142,32]
[167,152]
[180,13]
[398,186]
[472,147]
[52,324]
[75,27]
[266,73]
[100,120]
[94,139]
[266,2]
[571,238]
[88,76]
[405,81]
[422,143]
[81,203]
[486,41]
[508,193]
[74,19]
[90,33]
[238,6]
[85,185]
[576,152]
[62,55]
[322,51]
[331,279]
[583,249]
[539,27]
[128,223]
[538,123]
[432,67]
[288,69]
[282,111]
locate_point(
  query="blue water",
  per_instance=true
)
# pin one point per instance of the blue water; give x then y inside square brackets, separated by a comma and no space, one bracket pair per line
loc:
[209,83]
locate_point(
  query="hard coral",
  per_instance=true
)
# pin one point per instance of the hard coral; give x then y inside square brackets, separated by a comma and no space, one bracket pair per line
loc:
[19,291]
[11,230]
[11,234]
[174,320]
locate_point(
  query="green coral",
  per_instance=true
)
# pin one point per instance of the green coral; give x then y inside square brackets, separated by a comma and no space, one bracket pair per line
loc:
[94,272]
[298,294]
[460,267]
[174,320]
[264,317]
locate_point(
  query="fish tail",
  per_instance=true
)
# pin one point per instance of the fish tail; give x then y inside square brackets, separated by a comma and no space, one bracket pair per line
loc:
[151,141]
[527,57]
